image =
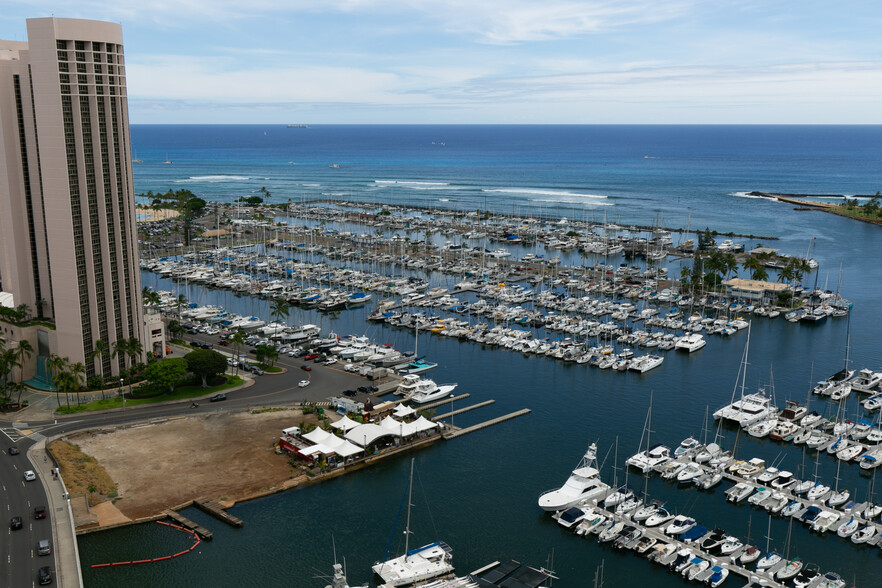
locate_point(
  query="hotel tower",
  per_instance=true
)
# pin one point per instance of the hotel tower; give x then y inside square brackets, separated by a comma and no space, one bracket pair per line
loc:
[68,240]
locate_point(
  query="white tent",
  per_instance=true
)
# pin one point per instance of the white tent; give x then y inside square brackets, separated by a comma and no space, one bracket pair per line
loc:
[424,424]
[344,424]
[327,443]
[397,427]
[364,435]
[403,410]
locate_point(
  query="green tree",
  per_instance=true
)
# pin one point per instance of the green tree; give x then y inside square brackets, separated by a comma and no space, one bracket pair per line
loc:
[206,363]
[266,353]
[78,373]
[151,297]
[56,366]
[23,350]
[67,383]
[180,302]
[134,349]
[167,373]
[175,329]
[280,308]
[121,350]
[238,340]
[100,351]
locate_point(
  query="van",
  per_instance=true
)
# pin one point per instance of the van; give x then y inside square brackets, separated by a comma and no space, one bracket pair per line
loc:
[43,547]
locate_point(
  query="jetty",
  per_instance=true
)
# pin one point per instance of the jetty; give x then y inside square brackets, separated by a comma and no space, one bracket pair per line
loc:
[453,432]
[462,410]
[188,524]
[217,510]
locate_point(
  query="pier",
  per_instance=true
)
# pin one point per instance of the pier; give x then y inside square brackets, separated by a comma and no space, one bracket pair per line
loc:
[188,524]
[217,510]
[462,410]
[453,433]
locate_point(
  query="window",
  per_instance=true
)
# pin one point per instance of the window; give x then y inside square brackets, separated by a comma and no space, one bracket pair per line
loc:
[63,66]
[62,56]
[97,69]
[81,68]
[80,45]
[61,44]
[81,56]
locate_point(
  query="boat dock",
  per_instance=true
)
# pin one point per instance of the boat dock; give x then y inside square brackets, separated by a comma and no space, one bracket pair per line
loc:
[453,432]
[764,578]
[217,510]
[188,524]
[462,410]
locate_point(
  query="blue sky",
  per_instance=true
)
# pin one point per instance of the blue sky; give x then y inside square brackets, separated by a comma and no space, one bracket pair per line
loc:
[491,61]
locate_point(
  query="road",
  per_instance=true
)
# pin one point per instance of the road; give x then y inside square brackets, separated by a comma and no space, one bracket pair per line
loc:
[20,498]
[19,563]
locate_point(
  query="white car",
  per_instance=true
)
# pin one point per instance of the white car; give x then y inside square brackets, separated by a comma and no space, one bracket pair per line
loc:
[303,383]
[30,476]
[330,361]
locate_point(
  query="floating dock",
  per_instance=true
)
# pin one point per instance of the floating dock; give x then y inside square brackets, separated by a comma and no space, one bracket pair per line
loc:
[188,524]
[462,410]
[217,510]
[453,433]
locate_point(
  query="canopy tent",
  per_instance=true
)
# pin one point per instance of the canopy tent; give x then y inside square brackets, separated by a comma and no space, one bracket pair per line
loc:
[424,424]
[402,411]
[344,424]
[328,443]
[364,435]
[399,428]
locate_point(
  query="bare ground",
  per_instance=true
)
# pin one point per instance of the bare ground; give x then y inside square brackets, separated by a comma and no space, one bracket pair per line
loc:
[221,456]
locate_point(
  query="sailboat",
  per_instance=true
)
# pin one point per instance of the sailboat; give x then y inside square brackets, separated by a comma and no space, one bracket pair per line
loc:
[415,565]
[167,160]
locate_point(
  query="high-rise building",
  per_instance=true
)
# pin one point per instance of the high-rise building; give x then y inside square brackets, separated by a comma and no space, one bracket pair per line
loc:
[68,238]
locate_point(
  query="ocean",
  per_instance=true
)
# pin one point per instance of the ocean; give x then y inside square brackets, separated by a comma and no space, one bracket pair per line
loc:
[479,492]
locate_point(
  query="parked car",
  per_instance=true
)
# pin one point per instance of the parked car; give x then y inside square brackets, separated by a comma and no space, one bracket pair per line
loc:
[330,361]
[30,476]
[310,356]
[298,353]
[303,383]
[39,512]
[306,368]
[256,370]
[320,359]
[44,576]
[13,450]
[43,547]
[217,398]
[349,392]
[15,523]
[223,342]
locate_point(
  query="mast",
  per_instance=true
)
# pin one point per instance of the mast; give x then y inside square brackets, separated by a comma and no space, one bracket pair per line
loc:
[409,495]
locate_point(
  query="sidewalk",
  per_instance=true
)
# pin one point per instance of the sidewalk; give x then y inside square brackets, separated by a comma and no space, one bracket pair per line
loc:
[64,541]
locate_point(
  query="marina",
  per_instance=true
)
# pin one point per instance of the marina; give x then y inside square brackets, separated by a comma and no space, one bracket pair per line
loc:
[504,469]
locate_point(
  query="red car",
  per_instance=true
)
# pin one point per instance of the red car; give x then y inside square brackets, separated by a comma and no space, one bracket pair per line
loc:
[306,368]
[310,356]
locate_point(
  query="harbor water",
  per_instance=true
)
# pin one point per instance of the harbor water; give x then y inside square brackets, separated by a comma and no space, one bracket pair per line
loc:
[478,493]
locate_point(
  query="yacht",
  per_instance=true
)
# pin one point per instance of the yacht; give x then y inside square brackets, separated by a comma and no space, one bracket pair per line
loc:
[645,363]
[691,342]
[648,460]
[421,390]
[866,381]
[750,409]
[583,484]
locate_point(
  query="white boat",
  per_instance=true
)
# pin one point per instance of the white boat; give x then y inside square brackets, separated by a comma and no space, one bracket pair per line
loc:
[739,492]
[691,342]
[790,569]
[650,459]
[422,390]
[645,363]
[762,428]
[442,391]
[864,534]
[680,524]
[749,409]
[866,381]
[414,565]
[584,484]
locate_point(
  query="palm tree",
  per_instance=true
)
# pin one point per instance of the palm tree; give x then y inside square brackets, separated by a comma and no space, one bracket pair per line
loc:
[151,297]
[24,310]
[8,361]
[56,365]
[66,382]
[24,349]
[134,349]
[238,339]
[120,349]
[41,304]
[100,349]
[280,308]
[76,370]
[180,303]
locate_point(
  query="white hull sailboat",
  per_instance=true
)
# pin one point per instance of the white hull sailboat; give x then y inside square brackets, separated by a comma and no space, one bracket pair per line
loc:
[415,565]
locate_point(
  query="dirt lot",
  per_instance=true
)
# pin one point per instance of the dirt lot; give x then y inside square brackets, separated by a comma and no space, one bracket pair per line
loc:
[222,456]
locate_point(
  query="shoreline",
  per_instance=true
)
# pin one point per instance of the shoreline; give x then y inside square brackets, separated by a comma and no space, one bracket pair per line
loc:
[831,207]
[150,215]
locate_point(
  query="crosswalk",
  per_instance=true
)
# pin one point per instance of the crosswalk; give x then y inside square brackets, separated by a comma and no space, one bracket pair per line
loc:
[11,432]
[15,433]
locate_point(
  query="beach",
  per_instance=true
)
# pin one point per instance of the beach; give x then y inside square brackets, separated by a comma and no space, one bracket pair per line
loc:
[148,215]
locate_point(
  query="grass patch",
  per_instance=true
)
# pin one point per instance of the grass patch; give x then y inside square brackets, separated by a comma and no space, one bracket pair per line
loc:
[273,369]
[182,393]
[82,472]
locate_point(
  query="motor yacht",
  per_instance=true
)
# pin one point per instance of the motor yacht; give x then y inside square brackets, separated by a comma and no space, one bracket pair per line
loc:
[784,481]
[793,411]
[768,476]
[739,492]
[761,495]
[687,447]
[730,545]
[784,431]
[818,491]
[762,428]
[807,575]
[661,516]
[709,480]
[689,473]
[584,484]
[792,508]
[570,517]
[698,566]
[776,502]
[866,381]
[679,524]
[811,419]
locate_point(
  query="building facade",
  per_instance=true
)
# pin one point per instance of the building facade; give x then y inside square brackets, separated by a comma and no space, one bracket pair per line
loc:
[68,236]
